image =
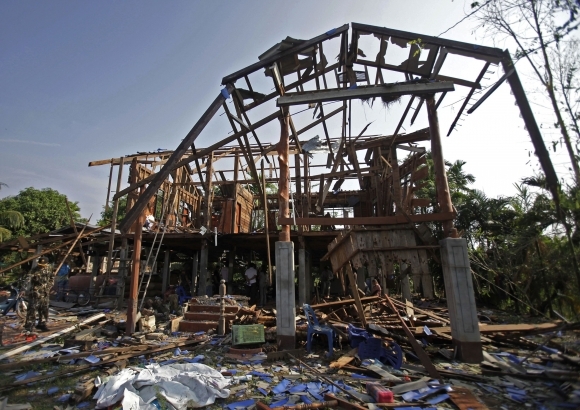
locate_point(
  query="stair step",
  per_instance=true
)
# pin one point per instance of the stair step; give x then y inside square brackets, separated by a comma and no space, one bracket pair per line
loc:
[207,316]
[212,308]
[193,326]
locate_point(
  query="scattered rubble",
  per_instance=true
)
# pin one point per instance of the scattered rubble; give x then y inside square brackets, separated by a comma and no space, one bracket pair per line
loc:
[526,365]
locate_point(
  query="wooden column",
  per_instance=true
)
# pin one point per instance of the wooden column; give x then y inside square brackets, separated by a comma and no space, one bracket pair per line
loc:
[201,290]
[135,271]
[114,218]
[165,279]
[284,185]
[443,195]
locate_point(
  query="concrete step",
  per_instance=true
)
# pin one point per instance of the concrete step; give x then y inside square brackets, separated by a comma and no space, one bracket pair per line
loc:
[193,326]
[207,316]
[212,308]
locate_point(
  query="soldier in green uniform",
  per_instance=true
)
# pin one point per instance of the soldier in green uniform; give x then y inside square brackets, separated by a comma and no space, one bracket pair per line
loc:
[41,281]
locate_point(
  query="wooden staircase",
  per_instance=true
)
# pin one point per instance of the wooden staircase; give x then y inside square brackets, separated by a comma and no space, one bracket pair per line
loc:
[200,318]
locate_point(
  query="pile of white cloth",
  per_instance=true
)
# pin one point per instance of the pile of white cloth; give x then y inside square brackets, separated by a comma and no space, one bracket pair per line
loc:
[181,385]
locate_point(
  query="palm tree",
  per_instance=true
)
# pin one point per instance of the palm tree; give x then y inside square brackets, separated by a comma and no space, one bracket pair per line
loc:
[9,219]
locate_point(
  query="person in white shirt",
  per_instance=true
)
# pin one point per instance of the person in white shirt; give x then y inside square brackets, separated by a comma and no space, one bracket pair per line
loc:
[252,281]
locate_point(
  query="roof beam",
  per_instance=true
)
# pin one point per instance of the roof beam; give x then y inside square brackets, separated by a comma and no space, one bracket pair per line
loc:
[268,61]
[363,92]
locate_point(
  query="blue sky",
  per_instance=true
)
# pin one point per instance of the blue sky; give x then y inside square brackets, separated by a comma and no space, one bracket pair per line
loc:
[92,80]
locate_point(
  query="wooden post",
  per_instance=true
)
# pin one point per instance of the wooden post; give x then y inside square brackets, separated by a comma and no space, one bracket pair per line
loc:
[266,224]
[135,271]
[109,186]
[443,195]
[114,218]
[284,185]
[235,195]
[165,279]
[356,296]
[201,290]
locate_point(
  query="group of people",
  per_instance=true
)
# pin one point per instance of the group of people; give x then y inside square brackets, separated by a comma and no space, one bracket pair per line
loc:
[257,282]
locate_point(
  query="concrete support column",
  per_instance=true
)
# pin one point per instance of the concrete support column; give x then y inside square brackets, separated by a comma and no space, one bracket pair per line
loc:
[461,300]
[165,279]
[303,279]
[285,305]
[203,268]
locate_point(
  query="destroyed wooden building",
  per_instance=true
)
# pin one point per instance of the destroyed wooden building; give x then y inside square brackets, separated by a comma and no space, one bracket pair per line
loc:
[291,169]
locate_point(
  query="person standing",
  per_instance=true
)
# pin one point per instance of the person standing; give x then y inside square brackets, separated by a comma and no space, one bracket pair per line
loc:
[41,280]
[263,283]
[61,280]
[326,277]
[251,280]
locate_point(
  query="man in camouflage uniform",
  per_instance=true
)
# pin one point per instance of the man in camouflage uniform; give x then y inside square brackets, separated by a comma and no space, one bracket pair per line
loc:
[41,281]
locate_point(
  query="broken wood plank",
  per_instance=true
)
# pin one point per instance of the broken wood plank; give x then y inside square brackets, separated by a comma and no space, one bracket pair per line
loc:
[464,399]
[50,337]
[344,359]
[346,302]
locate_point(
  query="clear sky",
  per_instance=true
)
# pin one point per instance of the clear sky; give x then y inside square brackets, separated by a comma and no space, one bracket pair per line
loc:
[82,81]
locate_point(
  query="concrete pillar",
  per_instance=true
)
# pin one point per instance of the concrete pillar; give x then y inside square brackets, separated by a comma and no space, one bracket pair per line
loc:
[203,268]
[405,285]
[285,305]
[302,278]
[165,279]
[461,299]
[194,271]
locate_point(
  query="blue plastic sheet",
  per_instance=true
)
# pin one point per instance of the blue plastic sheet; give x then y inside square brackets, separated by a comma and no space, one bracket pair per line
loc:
[280,403]
[241,404]
[281,387]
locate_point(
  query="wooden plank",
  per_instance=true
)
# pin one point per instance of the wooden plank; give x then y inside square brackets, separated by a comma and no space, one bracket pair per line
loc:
[371,220]
[346,302]
[517,328]
[451,44]
[357,301]
[199,154]
[344,359]
[279,56]
[164,172]
[50,337]
[364,92]
[464,399]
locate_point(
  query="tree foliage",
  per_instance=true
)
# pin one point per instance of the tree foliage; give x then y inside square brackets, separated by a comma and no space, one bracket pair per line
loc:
[43,210]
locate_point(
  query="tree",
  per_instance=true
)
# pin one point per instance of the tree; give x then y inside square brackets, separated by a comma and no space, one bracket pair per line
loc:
[107,213]
[9,219]
[535,27]
[43,210]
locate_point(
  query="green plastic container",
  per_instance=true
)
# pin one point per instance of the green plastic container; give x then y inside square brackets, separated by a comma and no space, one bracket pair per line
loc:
[247,334]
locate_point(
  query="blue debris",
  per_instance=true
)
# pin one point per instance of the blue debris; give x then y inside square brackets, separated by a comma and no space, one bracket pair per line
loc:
[263,391]
[297,389]
[359,376]
[52,390]
[241,404]
[280,388]
[519,392]
[427,331]
[156,404]
[166,362]
[83,405]
[438,399]
[280,403]
[64,398]
[305,399]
